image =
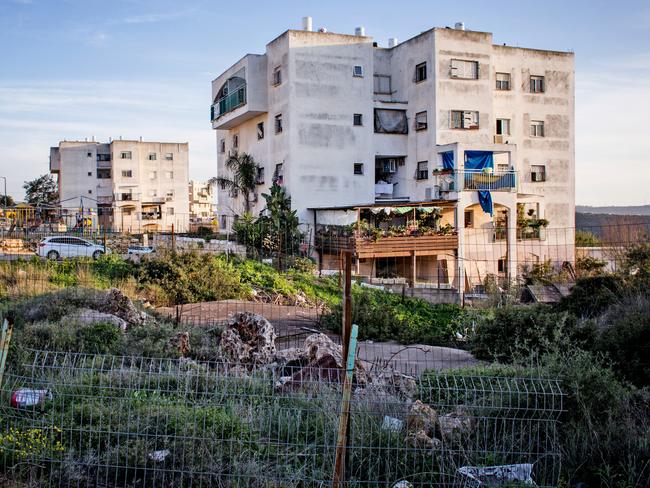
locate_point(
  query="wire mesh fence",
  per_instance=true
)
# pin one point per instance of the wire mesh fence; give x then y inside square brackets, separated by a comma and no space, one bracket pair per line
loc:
[71,419]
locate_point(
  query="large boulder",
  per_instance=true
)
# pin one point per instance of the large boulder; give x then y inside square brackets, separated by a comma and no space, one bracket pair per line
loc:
[88,316]
[249,339]
[422,417]
[456,426]
[117,303]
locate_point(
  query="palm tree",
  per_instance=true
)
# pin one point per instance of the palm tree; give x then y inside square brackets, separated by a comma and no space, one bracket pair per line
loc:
[243,169]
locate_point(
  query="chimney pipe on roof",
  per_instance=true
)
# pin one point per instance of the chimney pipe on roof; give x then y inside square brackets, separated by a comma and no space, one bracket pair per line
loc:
[360,31]
[459,26]
[392,41]
[307,24]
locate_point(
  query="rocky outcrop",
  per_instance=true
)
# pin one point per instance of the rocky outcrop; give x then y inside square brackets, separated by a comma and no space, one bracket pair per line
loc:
[87,316]
[181,343]
[117,303]
[456,426]
[427,429]
[249,339]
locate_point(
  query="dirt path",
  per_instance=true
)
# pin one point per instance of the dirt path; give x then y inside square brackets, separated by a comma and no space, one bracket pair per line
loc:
[290,323]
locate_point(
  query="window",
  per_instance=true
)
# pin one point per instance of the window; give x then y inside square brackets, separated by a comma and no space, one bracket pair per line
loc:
[152,156]
[103,173]
[382,84]
[90,192]
[358,168]
[390,121]
[503,168]
[125,155]
[127,173]
[422,172]
[222,146]
[90,173]
[235,141]
[502,265]
[259,180]
[464,119]
[260,131]
[503,81]
[153,175]
[170,210]
[537,84]
[537,128]
[169,194]
[420,72]
[278,175]
[421,121]
[357,119]
[357,71]
[503,127]
[278,123]
[90,155]
[537,173]
[277,76]
[169,156]
[467,70]
[469,219]
[103,157]
[169,175]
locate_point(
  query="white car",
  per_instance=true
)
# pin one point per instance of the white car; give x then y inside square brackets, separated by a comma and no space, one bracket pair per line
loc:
[140,250]
[69,247]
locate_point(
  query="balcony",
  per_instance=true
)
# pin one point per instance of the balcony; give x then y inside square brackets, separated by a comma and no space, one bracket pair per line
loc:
[105,200]
[479,180]
[396,246]
[126,197]
[228,103]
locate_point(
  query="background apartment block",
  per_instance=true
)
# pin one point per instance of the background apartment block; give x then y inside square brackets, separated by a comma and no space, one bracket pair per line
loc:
[129,186]
[202,208]
[438,120]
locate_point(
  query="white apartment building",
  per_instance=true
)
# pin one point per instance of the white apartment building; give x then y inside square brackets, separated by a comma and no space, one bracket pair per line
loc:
[124,186]
[446,120]
[202,208]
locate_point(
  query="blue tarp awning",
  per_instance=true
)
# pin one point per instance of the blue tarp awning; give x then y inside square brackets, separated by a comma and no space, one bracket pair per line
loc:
[448,160]
[485,199]
[478,160]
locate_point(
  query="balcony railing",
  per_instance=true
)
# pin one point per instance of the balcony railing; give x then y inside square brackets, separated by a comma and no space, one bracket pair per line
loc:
[228,103]
[386,246]
[480,180]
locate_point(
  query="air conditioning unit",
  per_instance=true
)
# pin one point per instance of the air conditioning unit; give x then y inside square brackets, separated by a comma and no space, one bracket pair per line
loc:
[169,198]
[498,139]
[432,193]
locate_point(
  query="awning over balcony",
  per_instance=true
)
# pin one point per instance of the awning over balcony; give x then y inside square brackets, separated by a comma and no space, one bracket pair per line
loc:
[479,160]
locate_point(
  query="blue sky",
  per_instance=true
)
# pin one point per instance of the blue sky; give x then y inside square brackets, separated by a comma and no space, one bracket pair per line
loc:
[71,69]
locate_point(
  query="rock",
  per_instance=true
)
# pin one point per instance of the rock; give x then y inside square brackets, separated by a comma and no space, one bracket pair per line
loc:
[318,346]
[396,383]
[422,417]
[421,440]
[181,342]
[159,456]
[456,425]
[87,316]
[321,372]
[392,424]
[117,303]
[249,339]
[403,484]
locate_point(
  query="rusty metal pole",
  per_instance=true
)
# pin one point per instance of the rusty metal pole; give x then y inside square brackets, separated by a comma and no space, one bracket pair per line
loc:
[173,239]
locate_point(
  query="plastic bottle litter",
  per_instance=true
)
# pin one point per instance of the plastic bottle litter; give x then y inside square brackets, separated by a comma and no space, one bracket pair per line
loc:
[26,397]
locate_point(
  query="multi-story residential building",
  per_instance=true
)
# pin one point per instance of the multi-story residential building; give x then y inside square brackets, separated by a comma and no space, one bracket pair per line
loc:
[124,186]
[446,123]
[202,208]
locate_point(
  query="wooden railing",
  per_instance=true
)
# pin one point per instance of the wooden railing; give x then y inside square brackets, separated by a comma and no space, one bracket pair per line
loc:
[387,246]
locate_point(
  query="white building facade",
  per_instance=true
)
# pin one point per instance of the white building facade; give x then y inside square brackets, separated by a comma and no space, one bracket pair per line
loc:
[123,185]
[202,208]
[446,119]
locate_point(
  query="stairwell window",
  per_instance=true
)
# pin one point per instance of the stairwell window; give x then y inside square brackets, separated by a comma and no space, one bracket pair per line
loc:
[537,128]
[235,141]
[537,173]
[466,70]
[421,121]
[422,172]
[503,81]
[357,119]
[222,146]
[278,124]
[537,84]
[464,119]
[277,76]
[358,168]
[260,131]
[420,72]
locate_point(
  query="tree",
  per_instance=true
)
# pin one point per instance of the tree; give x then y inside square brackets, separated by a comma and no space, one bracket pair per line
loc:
[585,238]
[7,201]
[42,191]
[243,169]
[282,223]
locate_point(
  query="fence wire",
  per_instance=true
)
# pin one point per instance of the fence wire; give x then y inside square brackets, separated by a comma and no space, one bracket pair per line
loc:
[71,419]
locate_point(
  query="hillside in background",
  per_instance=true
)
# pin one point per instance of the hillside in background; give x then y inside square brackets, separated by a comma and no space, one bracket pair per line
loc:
[614,210]
[612,228]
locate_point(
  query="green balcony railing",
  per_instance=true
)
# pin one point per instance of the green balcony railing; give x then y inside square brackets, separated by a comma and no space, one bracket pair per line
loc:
[228,103]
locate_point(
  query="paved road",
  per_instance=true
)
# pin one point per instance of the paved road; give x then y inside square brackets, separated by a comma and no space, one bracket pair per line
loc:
[293,324]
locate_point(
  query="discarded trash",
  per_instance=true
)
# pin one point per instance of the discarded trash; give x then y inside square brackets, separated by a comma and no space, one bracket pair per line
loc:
[26,397]
[403,484]
[499,475]
[159,456]
[391,423]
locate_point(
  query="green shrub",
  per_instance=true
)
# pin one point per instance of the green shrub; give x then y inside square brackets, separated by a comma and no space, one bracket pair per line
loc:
[591,296]
[517,330]
[383,316]
[113,267]
[97,338]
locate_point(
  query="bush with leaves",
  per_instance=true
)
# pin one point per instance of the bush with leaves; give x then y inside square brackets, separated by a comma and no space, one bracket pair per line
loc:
[591,296]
